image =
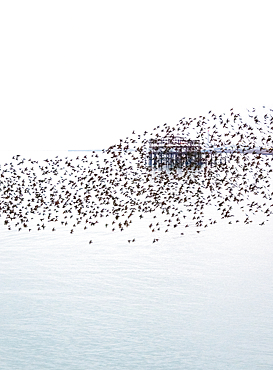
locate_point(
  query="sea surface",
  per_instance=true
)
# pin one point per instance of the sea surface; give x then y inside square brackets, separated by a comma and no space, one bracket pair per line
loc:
[193,301]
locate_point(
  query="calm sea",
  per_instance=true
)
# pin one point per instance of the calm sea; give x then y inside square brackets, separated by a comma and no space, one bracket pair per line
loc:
[197,301]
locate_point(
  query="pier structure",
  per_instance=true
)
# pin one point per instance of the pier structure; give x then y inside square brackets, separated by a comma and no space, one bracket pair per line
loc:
[174,151]
[214,156]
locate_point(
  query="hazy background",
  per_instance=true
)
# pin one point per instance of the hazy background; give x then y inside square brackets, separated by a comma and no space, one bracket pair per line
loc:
[82,74]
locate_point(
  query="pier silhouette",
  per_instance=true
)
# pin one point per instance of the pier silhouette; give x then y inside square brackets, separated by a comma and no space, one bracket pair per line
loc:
[176,151]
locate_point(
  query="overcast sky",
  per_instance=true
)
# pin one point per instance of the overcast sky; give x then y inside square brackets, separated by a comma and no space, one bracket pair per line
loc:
[83,74]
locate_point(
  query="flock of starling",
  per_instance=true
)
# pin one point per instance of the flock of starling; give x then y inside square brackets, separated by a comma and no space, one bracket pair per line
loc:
[116,185]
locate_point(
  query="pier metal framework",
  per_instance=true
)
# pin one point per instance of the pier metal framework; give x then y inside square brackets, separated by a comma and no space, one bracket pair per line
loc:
[174,151]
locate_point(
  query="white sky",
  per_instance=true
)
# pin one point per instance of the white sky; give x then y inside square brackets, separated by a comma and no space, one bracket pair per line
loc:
[83,74]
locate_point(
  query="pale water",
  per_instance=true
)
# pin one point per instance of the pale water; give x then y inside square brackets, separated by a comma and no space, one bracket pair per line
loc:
[197,301]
